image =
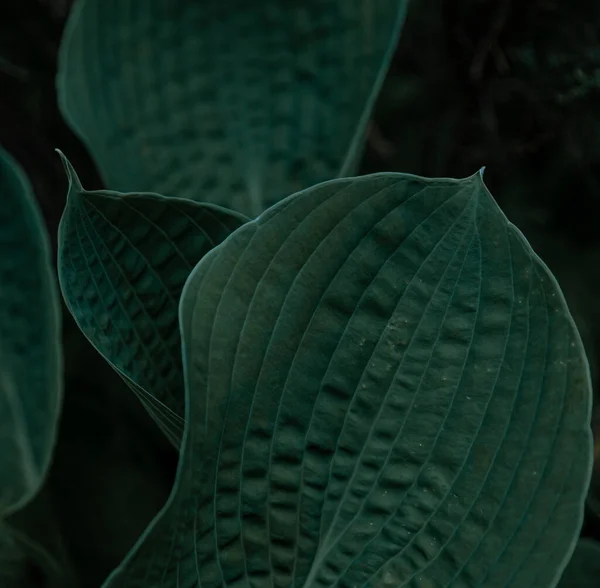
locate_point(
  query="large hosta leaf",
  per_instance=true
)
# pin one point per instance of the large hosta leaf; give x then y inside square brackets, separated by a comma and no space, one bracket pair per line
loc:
[241,103]
[123,261]
[583,569]
[384,387]
[30,353]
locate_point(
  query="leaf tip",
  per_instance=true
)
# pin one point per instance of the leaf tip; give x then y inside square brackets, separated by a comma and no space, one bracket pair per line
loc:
[72,176]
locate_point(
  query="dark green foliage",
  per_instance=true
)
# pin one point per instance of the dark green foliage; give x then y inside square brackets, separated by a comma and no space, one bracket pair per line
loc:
[30,357]
[31,378]
[229,102]
[123,261]
[383,384]
[330,433]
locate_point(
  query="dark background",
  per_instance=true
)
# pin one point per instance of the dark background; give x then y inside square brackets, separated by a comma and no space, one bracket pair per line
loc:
[514,86]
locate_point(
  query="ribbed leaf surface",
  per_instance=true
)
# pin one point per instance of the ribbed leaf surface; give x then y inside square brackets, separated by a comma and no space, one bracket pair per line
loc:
[240,103]
[384,387]
[123,261]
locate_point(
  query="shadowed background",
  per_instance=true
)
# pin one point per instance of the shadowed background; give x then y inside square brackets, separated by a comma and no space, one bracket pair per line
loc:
[512,86]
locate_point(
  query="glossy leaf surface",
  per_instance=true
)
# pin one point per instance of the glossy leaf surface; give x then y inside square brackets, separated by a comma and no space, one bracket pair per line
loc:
[384,387]
[240,103]
[30,342]
[123,261]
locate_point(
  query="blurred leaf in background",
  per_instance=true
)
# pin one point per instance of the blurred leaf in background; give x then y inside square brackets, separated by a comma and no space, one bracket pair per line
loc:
[82,536]
[239,104]
[474,82]
[31,387]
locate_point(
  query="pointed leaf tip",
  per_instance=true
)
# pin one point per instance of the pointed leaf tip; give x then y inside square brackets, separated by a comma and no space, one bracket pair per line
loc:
[473,270]
[481,171]
[72,176]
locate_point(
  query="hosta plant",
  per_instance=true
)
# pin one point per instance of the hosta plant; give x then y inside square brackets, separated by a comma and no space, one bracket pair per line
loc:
[372,380]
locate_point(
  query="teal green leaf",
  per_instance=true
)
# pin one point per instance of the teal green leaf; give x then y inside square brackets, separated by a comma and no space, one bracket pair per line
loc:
[240,103]
[30,342]
[583,569]
[123,261]
[384,387]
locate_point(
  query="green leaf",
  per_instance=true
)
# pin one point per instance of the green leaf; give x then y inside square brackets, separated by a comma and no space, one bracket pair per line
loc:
[384,386]
[583,569]
[239,103]
[123,261]
[30,339]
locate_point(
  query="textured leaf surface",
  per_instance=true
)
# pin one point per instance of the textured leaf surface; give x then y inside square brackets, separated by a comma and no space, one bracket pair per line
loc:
[239,102]
[30,354]
[384,387]
[123,261]
[583,570]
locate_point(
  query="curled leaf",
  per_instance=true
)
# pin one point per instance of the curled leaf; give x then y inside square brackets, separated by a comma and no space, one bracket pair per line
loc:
[123,261]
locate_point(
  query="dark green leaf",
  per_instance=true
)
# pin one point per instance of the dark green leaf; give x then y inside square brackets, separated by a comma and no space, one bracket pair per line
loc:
[240,103]
[123,260]
[583,570]
[30,352]
[384,387]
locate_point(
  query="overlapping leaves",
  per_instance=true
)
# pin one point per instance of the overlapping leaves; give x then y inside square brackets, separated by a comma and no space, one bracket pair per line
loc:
[384,385]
